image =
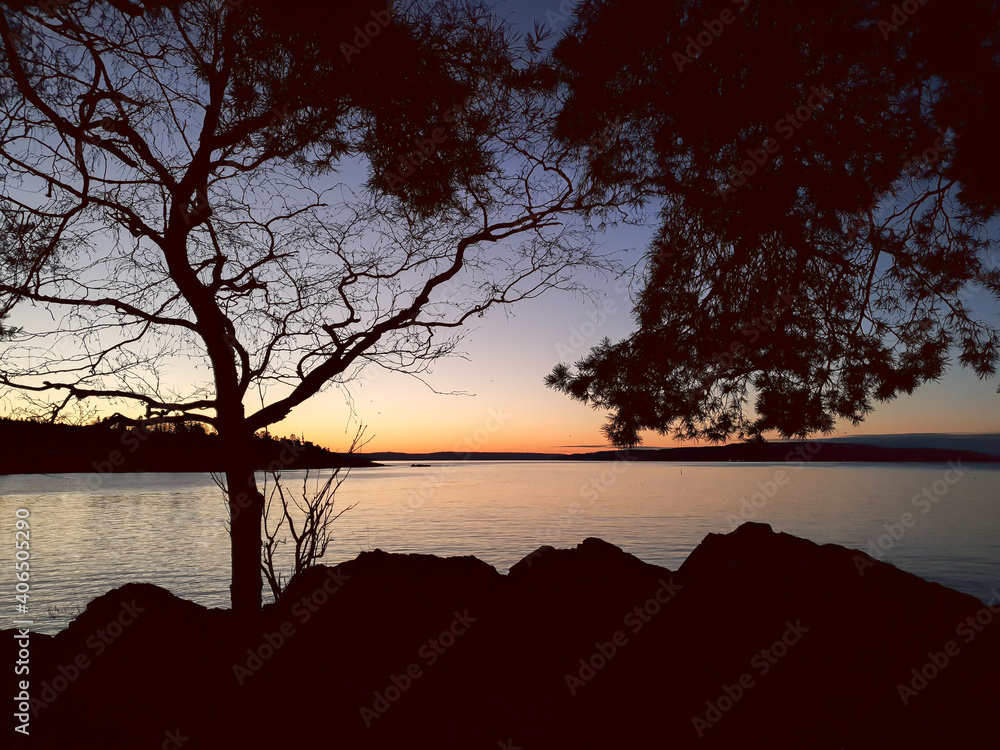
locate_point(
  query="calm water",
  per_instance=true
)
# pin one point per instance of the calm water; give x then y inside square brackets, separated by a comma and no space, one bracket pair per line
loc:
[91,533]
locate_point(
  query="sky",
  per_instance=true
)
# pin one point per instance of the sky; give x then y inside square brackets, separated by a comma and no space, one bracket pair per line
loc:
[510,354]
[508,407]
[494,398]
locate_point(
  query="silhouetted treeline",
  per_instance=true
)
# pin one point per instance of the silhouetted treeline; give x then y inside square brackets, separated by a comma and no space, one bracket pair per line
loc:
[30,447]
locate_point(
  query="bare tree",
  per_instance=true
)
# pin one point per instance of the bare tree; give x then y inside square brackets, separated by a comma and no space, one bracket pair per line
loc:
[306,518]
[316,511]
[178,164]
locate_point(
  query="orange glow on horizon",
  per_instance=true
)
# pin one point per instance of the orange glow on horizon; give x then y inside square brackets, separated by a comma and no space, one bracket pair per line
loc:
[528,418]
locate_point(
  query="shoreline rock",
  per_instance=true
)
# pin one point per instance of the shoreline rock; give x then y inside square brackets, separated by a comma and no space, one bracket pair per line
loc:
[759,639]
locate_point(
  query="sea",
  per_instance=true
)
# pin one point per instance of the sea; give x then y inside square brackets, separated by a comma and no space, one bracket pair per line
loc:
[89,533]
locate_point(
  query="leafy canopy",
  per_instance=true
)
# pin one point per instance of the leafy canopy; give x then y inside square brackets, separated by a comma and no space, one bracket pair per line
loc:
[824,178]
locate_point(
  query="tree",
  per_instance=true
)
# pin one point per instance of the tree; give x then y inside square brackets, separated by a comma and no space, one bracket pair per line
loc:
[21,256]
[307,518]
[315,512]
[824,178]
[179,159]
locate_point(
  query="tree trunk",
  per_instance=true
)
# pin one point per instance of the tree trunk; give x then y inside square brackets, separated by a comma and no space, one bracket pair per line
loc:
[246,506]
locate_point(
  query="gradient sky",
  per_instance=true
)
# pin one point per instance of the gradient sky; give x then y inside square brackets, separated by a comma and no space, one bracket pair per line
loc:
[504,404]
[510,356]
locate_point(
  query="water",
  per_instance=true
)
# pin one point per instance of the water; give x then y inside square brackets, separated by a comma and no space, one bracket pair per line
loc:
[91,533]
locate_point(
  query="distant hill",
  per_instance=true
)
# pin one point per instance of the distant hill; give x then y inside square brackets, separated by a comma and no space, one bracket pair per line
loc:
[819,451]
[40,448]
[982,443]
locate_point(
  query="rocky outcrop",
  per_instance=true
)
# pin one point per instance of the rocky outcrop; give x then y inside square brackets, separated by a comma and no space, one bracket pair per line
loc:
[759,640]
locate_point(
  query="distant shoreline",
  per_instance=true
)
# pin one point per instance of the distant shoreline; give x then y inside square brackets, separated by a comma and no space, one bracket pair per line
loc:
[40,448]
[784,452]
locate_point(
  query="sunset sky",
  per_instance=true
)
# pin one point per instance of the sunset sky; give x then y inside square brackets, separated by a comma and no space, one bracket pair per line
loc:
[508,359]
[496,400]
[510,356]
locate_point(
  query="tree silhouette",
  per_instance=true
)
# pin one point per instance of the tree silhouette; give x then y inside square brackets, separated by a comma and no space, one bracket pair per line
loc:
[823,176]
[179,161]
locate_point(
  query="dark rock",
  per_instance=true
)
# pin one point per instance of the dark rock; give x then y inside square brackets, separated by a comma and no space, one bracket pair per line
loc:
[761,639]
